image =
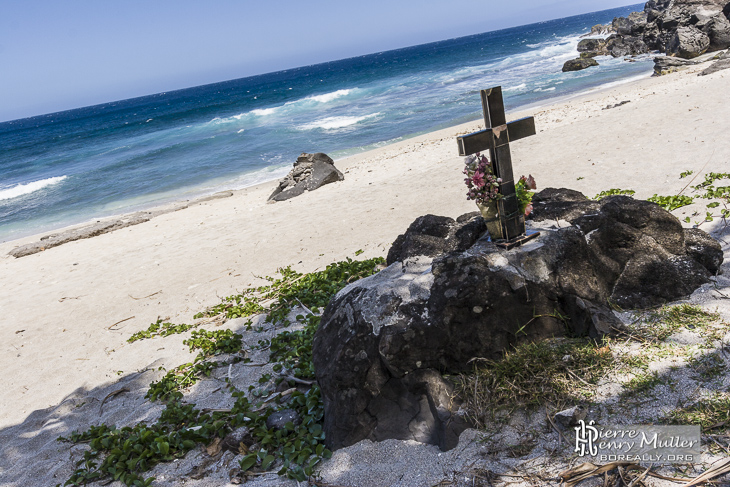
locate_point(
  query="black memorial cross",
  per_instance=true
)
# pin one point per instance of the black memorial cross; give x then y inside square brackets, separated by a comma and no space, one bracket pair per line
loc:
[496,138]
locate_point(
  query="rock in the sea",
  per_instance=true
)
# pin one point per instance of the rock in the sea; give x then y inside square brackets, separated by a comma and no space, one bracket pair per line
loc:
[310,172]
[578,64]
[385,341]
[592,45]
[672,26]
[688,42]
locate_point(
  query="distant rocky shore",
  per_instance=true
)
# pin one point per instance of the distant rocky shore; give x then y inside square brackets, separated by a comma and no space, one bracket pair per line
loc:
[683,29]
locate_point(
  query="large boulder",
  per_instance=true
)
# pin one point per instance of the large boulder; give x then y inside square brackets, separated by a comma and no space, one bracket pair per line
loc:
[619,46]
[592,45]
[385,342]
[717,29]
[579,64]
[688,42]
[632,25]
[310,172]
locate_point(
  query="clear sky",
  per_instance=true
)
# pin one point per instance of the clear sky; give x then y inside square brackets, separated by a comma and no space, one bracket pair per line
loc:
[56,55]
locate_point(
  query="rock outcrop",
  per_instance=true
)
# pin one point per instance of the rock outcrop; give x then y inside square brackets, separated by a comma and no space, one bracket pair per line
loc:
[722,62]
[680,28]
[665,64]
[688,42]
[310,172]
[385,341]
[579,64]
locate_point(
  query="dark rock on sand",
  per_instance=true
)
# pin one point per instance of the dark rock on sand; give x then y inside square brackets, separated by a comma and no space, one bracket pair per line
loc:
[310,171]
[385,341]
[715,67]
[665,64]
[688,42]
[579,64]
[717,29]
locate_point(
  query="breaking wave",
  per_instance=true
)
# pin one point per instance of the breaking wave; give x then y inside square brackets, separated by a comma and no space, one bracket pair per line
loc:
[333,123]
[27,188]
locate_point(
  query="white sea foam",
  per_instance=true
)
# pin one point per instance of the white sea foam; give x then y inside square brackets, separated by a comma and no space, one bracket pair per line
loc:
[327,97]
[260,112]
[333,123]
[520,87]
[265,112]
[27,188]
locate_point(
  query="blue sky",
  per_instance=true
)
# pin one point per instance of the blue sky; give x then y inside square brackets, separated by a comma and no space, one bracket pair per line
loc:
[59,55]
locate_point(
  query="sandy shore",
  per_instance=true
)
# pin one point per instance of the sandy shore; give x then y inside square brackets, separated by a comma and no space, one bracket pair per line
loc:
[67,311]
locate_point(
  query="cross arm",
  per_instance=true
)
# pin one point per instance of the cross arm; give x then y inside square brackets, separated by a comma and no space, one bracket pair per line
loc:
[496,136]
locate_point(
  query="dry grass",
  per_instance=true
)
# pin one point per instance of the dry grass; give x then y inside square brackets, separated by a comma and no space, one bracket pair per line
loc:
[711,412]
[555,372]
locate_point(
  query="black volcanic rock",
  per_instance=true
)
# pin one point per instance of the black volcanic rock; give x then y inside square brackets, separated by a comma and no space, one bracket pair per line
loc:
[310,171]
[384,342]
[579,64]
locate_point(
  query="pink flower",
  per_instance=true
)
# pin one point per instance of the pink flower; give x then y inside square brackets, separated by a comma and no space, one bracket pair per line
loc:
[478,179]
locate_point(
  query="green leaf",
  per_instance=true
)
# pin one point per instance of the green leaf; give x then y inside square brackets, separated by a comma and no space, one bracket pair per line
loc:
[266,462]
[247,462]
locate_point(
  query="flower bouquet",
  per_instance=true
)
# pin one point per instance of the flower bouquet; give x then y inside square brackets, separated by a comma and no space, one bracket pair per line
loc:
[483,188]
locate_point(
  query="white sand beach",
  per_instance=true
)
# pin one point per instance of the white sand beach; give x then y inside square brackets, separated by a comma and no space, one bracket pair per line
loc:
[67,312]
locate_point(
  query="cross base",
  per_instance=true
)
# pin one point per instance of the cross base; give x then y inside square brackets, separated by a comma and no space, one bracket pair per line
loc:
[517,241]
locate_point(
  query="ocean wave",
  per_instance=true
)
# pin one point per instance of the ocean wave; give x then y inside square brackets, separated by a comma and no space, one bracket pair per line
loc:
[557,48]
[327,97]
[520,87]
[27,188]
[333,123]
[286,107]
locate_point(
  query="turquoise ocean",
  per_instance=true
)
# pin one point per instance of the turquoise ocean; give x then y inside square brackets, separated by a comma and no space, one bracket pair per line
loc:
[72,166]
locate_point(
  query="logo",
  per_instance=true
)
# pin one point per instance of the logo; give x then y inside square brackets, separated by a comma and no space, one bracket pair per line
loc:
[585,438]
[648,444]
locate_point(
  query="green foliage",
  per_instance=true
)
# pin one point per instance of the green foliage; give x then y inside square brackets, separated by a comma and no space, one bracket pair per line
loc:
[614,191]
[312,290]
[158,328]
[293,350]
[209,343]
[214,342]
[670,203]
[296,449]
[123,454]
[524,195]
[684,174]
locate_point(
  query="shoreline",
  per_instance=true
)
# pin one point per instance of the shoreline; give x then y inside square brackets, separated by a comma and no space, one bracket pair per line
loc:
[91,227]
